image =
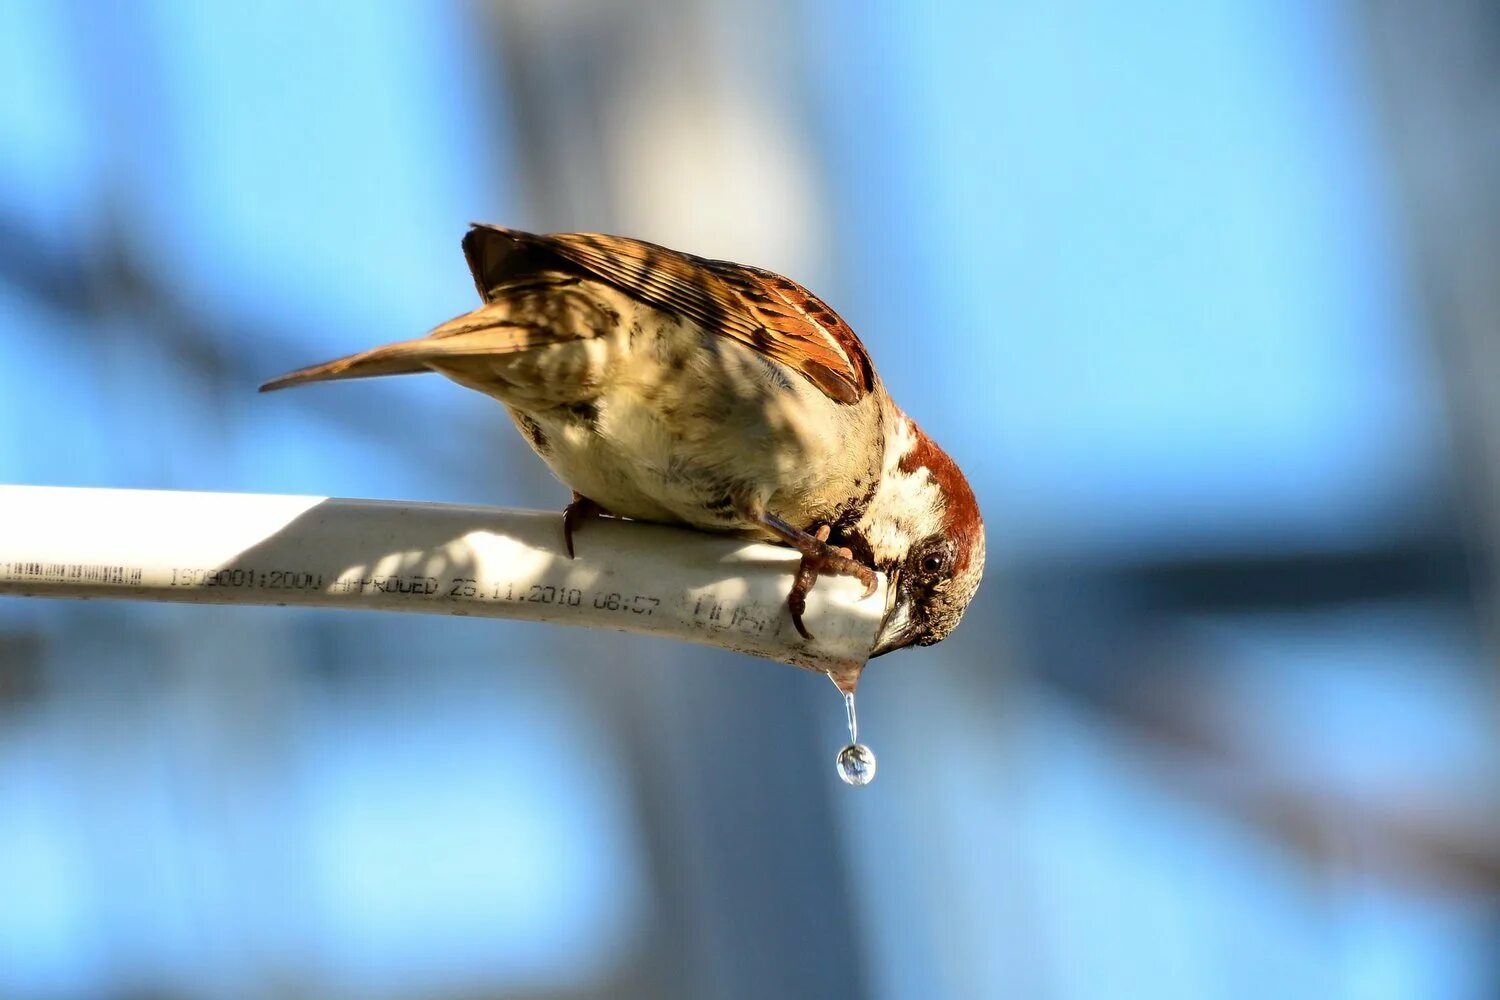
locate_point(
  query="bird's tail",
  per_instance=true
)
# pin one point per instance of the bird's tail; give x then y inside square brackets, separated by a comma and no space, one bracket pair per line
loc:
[490,330]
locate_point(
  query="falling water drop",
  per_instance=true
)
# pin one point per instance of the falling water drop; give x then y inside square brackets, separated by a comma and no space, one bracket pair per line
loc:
[856,762]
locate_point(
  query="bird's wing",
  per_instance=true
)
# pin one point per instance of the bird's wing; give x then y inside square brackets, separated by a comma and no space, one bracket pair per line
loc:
[765,311]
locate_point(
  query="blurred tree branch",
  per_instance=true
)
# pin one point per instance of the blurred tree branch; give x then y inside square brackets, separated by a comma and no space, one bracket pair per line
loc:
[103,275]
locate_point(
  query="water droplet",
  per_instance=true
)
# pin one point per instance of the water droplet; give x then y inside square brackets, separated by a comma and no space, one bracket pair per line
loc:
[856,764]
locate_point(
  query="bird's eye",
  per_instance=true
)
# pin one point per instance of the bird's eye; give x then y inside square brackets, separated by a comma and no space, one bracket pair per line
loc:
[933,562]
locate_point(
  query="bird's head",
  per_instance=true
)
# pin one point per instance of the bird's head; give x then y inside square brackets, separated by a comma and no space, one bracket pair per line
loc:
[923,530]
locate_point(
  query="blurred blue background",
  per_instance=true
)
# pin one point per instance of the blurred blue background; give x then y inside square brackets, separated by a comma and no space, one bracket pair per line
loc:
[1203,296]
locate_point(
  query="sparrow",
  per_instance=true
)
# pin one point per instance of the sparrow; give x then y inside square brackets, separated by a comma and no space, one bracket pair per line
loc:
[670,388]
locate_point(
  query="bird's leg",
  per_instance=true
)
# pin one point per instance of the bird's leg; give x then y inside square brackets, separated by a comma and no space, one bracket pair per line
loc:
[574,515]
[817,557]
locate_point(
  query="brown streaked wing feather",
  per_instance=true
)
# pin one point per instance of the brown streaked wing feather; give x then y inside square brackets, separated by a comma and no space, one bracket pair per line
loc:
[765,311]
[797,317]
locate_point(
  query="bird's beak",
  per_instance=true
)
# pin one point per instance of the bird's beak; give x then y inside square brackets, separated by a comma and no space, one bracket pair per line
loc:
[895,630]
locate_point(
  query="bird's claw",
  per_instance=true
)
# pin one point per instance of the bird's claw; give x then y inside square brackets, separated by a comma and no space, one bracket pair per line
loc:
[824,558]
[574,514]
[817,557]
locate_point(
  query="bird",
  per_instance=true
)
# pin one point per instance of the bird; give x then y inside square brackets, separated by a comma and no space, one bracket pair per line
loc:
[665,387]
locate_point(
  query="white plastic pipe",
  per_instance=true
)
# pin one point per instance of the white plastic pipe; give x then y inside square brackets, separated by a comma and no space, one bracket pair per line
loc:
[228,548]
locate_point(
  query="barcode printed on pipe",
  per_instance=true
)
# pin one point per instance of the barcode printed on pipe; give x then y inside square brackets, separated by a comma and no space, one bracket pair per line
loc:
[124,576]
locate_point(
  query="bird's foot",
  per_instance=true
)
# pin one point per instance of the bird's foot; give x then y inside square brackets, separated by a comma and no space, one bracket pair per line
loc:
[574,514]
[818,557]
